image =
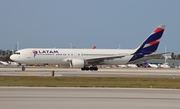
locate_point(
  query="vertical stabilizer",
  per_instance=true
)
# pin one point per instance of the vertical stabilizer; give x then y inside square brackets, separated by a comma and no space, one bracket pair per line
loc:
[150,45]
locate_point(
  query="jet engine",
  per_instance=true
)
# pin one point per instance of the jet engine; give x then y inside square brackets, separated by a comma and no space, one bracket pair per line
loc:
[76,63]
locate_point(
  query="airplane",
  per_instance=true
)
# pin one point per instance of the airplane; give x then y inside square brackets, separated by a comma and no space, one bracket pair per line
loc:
[164,65]
[128,66]
[132,66]
[13,63]
[122,66]
[148,65]
[3,63]
[88,59]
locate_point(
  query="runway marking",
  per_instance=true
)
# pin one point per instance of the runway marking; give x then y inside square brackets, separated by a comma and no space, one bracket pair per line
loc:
[29,74]
[90,97]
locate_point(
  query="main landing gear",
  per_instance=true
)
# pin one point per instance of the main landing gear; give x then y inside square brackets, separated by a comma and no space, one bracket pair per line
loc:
[89,68]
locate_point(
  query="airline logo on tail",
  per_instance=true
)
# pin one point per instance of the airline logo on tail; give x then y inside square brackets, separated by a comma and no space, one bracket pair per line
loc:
[152,42]
[150,45]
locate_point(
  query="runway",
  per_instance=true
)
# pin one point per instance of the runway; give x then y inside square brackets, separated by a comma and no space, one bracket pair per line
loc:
[88,98]
[112,72]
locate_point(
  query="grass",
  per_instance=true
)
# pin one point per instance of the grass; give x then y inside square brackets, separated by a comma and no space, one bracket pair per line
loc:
[35,81]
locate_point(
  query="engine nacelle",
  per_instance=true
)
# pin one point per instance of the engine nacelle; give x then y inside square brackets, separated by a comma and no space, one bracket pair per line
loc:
[77,63]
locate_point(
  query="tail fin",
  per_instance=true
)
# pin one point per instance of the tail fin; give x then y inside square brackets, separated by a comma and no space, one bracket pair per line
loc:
[94,47]
[150,45]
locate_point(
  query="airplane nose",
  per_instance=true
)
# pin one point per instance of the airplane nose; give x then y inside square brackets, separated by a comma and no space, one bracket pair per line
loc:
[12,57]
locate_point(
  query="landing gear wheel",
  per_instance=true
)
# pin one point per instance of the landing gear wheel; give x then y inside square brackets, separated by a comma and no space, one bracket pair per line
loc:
[23,68]
[95,68]
[89,68]
[83,68]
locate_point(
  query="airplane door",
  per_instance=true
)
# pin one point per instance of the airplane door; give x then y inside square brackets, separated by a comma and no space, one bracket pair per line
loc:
[29,55]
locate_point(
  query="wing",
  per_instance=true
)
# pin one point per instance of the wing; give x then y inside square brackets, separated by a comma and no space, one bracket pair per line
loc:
[98,59]
[102,58]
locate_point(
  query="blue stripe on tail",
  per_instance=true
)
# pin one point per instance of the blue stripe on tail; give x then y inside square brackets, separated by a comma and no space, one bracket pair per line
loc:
[150,45]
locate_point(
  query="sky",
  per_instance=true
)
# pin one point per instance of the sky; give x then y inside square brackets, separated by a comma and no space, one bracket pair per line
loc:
[84,23]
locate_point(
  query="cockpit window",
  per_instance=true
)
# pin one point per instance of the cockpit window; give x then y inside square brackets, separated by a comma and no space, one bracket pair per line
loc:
[18,53]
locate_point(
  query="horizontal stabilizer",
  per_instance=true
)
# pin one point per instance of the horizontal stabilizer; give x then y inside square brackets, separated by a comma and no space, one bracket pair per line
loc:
[156,54]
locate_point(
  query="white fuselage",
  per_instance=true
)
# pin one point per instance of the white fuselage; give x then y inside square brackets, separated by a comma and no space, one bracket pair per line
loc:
[58,56]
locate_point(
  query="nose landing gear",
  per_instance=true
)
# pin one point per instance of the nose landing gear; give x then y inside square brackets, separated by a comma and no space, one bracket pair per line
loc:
[23,68]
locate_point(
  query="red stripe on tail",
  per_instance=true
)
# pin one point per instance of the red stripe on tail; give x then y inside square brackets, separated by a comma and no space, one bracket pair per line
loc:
[153,42]
[158,29]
